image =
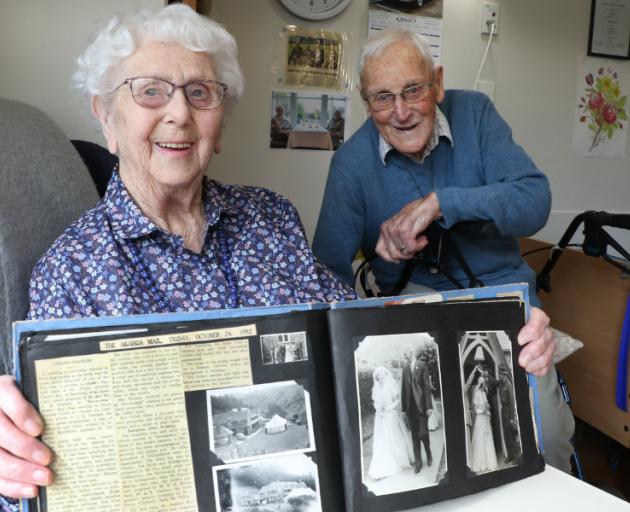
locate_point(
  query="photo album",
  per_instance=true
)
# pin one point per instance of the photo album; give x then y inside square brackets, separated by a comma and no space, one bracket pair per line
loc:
[380,404]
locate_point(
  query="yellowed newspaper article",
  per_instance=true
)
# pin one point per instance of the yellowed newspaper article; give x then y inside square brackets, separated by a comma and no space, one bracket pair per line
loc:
[230,365]
[178,338]
[152,431]
[119,418]
[75,398]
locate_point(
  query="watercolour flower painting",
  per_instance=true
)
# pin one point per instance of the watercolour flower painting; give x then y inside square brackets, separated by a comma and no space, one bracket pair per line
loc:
[602,105]
[600,125]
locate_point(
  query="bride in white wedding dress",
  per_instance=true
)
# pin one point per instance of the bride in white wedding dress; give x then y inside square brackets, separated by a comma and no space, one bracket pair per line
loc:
[483,454]
[392,450]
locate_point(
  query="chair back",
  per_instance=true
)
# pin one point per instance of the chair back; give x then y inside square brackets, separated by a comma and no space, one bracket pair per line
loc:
[100,162]
[44,186]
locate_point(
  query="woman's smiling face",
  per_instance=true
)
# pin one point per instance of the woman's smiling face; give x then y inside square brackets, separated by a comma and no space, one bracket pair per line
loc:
[169,146]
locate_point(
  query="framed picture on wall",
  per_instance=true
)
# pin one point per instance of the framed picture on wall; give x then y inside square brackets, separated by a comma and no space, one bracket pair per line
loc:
[609,33]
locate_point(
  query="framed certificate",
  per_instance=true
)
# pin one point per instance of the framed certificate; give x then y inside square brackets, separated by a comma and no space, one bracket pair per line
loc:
[609,34]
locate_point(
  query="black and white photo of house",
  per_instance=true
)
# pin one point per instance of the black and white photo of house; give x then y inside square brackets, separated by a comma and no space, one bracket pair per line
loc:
[401,412]
[493,439]
[259,420]
[287,347]
[277,484]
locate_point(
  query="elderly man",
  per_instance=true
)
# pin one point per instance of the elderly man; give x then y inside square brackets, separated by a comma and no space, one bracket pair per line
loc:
[413,163]
[503,387]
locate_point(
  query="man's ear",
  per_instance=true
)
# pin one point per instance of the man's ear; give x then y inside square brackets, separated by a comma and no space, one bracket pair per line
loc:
[102,113]
[439,84]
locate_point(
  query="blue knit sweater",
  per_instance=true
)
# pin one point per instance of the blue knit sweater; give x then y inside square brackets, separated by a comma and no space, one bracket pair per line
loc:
[485,175]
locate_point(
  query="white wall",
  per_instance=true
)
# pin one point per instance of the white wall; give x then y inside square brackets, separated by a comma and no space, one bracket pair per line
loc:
[533,63]
[535,67]
[39,43]
[300,175]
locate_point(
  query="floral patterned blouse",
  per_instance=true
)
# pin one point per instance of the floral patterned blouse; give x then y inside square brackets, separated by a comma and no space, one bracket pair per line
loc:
[255,249]
[278,125]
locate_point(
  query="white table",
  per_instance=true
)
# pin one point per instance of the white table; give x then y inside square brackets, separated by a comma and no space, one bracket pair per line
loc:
[550,491]
[312,138]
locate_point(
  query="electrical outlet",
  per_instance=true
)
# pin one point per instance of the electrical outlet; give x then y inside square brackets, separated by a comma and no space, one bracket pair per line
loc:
[489,15]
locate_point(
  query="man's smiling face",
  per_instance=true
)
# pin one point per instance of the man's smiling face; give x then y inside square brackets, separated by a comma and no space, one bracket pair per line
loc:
[406,126]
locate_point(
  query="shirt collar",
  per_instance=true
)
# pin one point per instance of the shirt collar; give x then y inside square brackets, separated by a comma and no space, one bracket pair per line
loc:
[441,128]
[128,220]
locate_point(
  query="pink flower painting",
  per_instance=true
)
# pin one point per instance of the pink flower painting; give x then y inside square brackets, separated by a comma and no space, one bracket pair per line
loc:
[602,106]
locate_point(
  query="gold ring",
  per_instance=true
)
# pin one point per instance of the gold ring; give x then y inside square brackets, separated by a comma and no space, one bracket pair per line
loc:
[402,248]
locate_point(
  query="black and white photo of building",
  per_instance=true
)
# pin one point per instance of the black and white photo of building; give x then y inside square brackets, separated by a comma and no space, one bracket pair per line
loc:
[493,438]
[276,484]
[401,412]
[260,420]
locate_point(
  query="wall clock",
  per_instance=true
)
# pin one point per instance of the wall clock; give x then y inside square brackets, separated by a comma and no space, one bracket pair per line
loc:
[315,9]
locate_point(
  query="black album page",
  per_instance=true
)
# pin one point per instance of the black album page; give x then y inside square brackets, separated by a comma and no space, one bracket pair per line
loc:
[215,415]
[431,402]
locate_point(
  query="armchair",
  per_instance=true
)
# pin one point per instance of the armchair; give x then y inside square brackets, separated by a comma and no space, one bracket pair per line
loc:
[44,186]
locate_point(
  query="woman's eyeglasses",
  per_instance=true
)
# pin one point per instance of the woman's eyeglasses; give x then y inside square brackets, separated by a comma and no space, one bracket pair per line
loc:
[385,100]
[154,92]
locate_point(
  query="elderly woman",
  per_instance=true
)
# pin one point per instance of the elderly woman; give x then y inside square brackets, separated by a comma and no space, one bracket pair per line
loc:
[483,455]
[165,238]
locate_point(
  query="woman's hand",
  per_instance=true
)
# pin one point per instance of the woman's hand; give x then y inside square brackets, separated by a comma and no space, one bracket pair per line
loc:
[538,345]
[23,458]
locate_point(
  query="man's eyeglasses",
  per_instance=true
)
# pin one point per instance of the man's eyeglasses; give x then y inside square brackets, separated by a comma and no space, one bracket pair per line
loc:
[385,100]
[154,92]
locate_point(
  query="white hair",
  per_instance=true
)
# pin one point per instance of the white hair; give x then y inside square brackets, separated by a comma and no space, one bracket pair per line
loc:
[176,23]
[383,39]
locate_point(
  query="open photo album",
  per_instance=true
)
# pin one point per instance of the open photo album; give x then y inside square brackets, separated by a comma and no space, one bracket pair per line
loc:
[369,405]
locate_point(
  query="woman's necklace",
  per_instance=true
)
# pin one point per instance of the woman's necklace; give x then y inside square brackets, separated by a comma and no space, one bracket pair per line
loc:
[161,298]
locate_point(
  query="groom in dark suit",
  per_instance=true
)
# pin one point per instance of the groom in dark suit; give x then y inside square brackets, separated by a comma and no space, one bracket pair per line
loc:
[416,404]
[503,387]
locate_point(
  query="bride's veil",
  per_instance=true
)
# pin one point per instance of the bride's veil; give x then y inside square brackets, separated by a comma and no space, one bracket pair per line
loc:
[385,389]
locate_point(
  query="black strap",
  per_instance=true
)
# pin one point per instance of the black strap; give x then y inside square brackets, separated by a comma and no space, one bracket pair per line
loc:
[362,274]
[443,246]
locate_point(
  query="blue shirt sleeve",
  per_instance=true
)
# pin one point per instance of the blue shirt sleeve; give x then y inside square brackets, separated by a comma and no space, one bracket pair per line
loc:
[516,194]
[341,222]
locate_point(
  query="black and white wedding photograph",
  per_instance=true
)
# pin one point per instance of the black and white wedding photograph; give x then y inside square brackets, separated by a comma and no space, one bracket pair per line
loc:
[261,420]
[278,484]
[401,412]
[287,347]
[493,439]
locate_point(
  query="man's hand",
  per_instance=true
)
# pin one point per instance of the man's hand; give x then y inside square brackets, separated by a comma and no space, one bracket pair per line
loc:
[23,459]
[400,236]
[538,344]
